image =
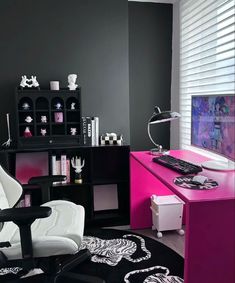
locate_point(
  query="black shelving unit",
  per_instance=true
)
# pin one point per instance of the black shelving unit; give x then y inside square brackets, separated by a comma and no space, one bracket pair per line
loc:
[104,166]
[62,110]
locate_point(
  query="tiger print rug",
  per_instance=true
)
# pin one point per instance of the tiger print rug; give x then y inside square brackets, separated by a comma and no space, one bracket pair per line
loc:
[124,257]
[120,256]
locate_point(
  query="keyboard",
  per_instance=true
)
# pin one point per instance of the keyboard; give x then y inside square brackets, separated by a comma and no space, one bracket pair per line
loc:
[178,165]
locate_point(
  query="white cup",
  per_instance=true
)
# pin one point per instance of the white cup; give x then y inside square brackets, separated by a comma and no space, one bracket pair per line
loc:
[55,85]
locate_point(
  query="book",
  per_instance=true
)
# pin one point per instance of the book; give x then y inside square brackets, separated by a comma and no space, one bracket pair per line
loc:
[53,165]
[27,200]
[93,131]
[88,125]
[68,170]
[84,131]
[96,130]
[63,169]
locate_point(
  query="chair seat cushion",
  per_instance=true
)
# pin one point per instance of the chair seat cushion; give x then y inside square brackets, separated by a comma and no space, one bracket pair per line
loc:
[60,233]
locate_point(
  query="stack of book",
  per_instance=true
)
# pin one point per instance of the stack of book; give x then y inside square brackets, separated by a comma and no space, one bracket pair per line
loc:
[60,165]
[25,202]
[90,131]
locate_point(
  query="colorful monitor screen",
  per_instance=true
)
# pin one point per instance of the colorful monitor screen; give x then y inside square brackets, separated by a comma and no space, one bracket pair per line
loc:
[213,124]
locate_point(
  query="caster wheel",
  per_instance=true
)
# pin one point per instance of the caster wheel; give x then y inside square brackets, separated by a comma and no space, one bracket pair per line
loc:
[159,234]
[181,232]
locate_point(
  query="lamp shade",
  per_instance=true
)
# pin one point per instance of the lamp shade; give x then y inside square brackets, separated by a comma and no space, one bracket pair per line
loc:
[164,116]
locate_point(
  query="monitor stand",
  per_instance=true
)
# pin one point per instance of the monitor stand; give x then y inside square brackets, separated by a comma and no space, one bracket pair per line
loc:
[219,165]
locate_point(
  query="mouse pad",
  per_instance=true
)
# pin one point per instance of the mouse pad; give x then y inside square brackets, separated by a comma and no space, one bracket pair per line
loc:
[186,182]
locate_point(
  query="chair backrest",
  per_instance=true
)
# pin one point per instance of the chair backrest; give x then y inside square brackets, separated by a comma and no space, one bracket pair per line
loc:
[10,190]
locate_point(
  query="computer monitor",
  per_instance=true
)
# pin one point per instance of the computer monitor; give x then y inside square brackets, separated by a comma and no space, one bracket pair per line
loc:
[213,128]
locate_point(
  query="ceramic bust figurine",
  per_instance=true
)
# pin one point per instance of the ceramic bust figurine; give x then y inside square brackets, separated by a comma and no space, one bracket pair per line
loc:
[72,81]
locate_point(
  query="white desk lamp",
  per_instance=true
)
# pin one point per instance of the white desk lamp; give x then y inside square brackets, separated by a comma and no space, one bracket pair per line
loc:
[159,117]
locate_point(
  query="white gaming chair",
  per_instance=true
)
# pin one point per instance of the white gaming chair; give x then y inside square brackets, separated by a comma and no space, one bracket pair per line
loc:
[52,241]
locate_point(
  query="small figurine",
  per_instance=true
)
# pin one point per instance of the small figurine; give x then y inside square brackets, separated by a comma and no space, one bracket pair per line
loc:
[73,131]
[25,106]
[28,119]
[58,105]
[43,132]
[73,105]
[27,133]
[26,82]
[72,81]
[77,165]
[8,142]
[44,119]
[34,81]
[23,82]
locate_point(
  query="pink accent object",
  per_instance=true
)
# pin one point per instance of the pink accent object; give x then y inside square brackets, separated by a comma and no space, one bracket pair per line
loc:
[30,165]
[59,117]
[210,215]
[27,133]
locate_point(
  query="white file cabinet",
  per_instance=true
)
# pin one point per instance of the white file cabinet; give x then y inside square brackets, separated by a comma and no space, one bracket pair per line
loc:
[167,213]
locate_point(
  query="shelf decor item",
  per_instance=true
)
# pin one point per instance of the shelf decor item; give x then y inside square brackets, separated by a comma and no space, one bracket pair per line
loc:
[73,106]
[55,85]
[72,81]
[43,132]
[28,119]
[73,131]
[29,83]
[78,164]
[8,142]
[44,119]
[27,133]
[25,106]
[59,117]
[111,139]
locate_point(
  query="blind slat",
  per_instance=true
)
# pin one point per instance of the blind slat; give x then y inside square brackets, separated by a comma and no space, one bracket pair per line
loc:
[207,55]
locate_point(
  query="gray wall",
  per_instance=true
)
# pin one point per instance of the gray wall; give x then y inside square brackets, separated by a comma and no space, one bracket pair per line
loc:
[150,43]
[52,38]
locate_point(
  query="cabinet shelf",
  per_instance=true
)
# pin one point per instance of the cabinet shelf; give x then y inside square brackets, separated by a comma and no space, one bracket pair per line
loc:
[72,110]
[108,181]
[86,193]
[43,103]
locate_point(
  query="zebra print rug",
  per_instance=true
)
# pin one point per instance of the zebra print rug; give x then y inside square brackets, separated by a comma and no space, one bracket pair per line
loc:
[120,256]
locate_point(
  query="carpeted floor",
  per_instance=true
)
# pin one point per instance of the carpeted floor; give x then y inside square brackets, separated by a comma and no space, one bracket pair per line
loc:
[121,256]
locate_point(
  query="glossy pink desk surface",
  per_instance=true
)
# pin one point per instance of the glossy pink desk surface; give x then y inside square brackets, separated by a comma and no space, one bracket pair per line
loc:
[226,180]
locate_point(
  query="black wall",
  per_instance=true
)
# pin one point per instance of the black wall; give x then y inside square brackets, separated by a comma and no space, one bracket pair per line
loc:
[52,38]
[150,39]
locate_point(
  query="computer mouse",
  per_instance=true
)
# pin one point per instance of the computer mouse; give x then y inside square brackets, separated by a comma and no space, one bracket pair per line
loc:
[199,179]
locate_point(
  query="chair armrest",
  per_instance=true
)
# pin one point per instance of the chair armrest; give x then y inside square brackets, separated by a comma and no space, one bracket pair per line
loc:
[45,183]
[46,179]
[24,214]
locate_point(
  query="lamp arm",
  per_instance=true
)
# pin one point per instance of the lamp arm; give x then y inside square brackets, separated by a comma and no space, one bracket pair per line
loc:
[150,137]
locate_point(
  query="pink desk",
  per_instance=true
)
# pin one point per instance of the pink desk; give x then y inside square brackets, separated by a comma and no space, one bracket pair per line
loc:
[210,215]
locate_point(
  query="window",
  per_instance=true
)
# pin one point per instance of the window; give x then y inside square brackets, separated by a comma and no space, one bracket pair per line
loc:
[207,54]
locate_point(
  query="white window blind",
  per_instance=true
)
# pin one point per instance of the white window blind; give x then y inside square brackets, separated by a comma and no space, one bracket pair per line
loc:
[207,54]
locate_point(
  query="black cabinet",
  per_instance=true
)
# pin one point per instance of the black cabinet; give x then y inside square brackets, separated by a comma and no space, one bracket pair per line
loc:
[46,117]
[104,191]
